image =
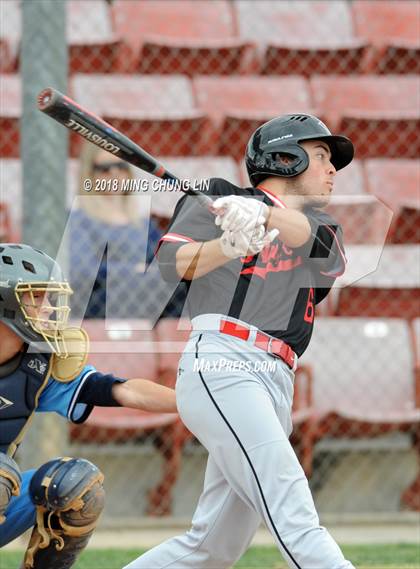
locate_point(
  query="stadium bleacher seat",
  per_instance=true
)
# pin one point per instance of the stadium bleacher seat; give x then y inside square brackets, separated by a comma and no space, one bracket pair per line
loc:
[156,112]
[127,349]
[302,37]
[181,36]
[380,282]
[9,36]
[6,235]
[396,183]
[411,495]
[11,182]
[351,206]
[379,113]
[10,111]
[416,343]
[11,191]
[368,388]
[393,30]
[238,105]
[94,46]
[171,336]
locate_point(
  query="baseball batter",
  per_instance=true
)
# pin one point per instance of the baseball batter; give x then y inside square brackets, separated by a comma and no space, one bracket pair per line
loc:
[42,369]
[255,274]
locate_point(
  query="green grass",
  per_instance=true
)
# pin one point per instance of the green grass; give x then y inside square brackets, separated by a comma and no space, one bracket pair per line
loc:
[405,556]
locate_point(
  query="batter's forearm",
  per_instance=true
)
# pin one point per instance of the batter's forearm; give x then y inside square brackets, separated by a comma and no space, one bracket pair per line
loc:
[195,260]
[293,225]
[145,395]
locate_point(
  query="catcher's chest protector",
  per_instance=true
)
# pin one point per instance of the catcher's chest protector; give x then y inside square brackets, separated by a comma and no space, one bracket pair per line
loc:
[20,390]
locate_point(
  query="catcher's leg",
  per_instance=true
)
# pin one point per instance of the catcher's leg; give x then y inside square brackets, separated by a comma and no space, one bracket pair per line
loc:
[69,498]
[10,482]
[20,514]
[11,526]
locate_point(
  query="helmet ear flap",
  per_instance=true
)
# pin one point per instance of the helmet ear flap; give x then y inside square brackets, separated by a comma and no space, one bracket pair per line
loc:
[287,160]
[290,160]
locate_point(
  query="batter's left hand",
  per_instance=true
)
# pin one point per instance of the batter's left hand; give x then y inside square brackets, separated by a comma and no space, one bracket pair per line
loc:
[236,213]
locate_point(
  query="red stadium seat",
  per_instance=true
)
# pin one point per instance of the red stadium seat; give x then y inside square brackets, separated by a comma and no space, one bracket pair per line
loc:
[303,37]
[6,235]
[368,388]
[381,282]
[411,495]
[9,36]
[118,347]
[172,335]
[238,105]
[157,112]
[416,342]
[379,113]
[94,46]
[181,36]
[11,181]
[352,207]
[393,30]
[11,193]
[128,349]
[397,183]
[10,112]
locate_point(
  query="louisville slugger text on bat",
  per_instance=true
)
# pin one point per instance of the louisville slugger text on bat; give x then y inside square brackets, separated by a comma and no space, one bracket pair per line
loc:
[91,127]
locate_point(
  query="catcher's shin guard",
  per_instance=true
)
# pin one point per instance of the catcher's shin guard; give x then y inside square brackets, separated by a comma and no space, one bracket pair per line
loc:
[69,496]
[10,482]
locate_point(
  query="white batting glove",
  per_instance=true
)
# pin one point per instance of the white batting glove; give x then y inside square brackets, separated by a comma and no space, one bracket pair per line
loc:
[237,244]
[236,213]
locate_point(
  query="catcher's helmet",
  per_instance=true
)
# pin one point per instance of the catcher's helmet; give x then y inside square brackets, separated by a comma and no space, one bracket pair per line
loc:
[283,135]
[27,270]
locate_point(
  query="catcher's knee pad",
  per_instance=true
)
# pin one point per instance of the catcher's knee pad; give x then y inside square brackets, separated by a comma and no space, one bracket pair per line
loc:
[69,497]
[10,482]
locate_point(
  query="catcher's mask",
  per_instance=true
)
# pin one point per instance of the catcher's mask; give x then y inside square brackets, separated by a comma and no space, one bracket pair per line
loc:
[282,136]
[34,296]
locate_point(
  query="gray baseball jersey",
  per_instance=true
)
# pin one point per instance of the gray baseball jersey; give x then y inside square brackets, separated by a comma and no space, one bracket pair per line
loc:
[237,397]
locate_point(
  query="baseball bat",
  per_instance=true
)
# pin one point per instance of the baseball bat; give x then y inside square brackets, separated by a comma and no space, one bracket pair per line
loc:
[91,127]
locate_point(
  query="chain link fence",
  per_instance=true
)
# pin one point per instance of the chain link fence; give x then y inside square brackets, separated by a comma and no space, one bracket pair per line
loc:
[189,81]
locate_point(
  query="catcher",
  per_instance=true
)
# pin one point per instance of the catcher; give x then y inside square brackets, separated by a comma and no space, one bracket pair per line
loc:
[43,368]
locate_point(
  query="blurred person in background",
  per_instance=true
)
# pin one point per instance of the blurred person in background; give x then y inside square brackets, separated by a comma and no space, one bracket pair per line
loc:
[108,216]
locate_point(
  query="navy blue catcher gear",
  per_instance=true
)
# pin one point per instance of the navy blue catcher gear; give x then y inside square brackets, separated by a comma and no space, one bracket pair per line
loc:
[69,498]
[59,482]
[283,136]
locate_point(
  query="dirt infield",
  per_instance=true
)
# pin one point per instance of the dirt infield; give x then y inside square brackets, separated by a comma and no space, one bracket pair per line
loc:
[147,532]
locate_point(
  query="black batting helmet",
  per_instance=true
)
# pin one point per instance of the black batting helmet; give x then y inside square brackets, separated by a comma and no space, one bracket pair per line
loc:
[25,270]
[283,135]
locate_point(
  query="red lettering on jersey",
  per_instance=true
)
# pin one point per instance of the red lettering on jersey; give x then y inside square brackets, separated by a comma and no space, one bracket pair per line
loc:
[271,260]
[270,252]
[310,308]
